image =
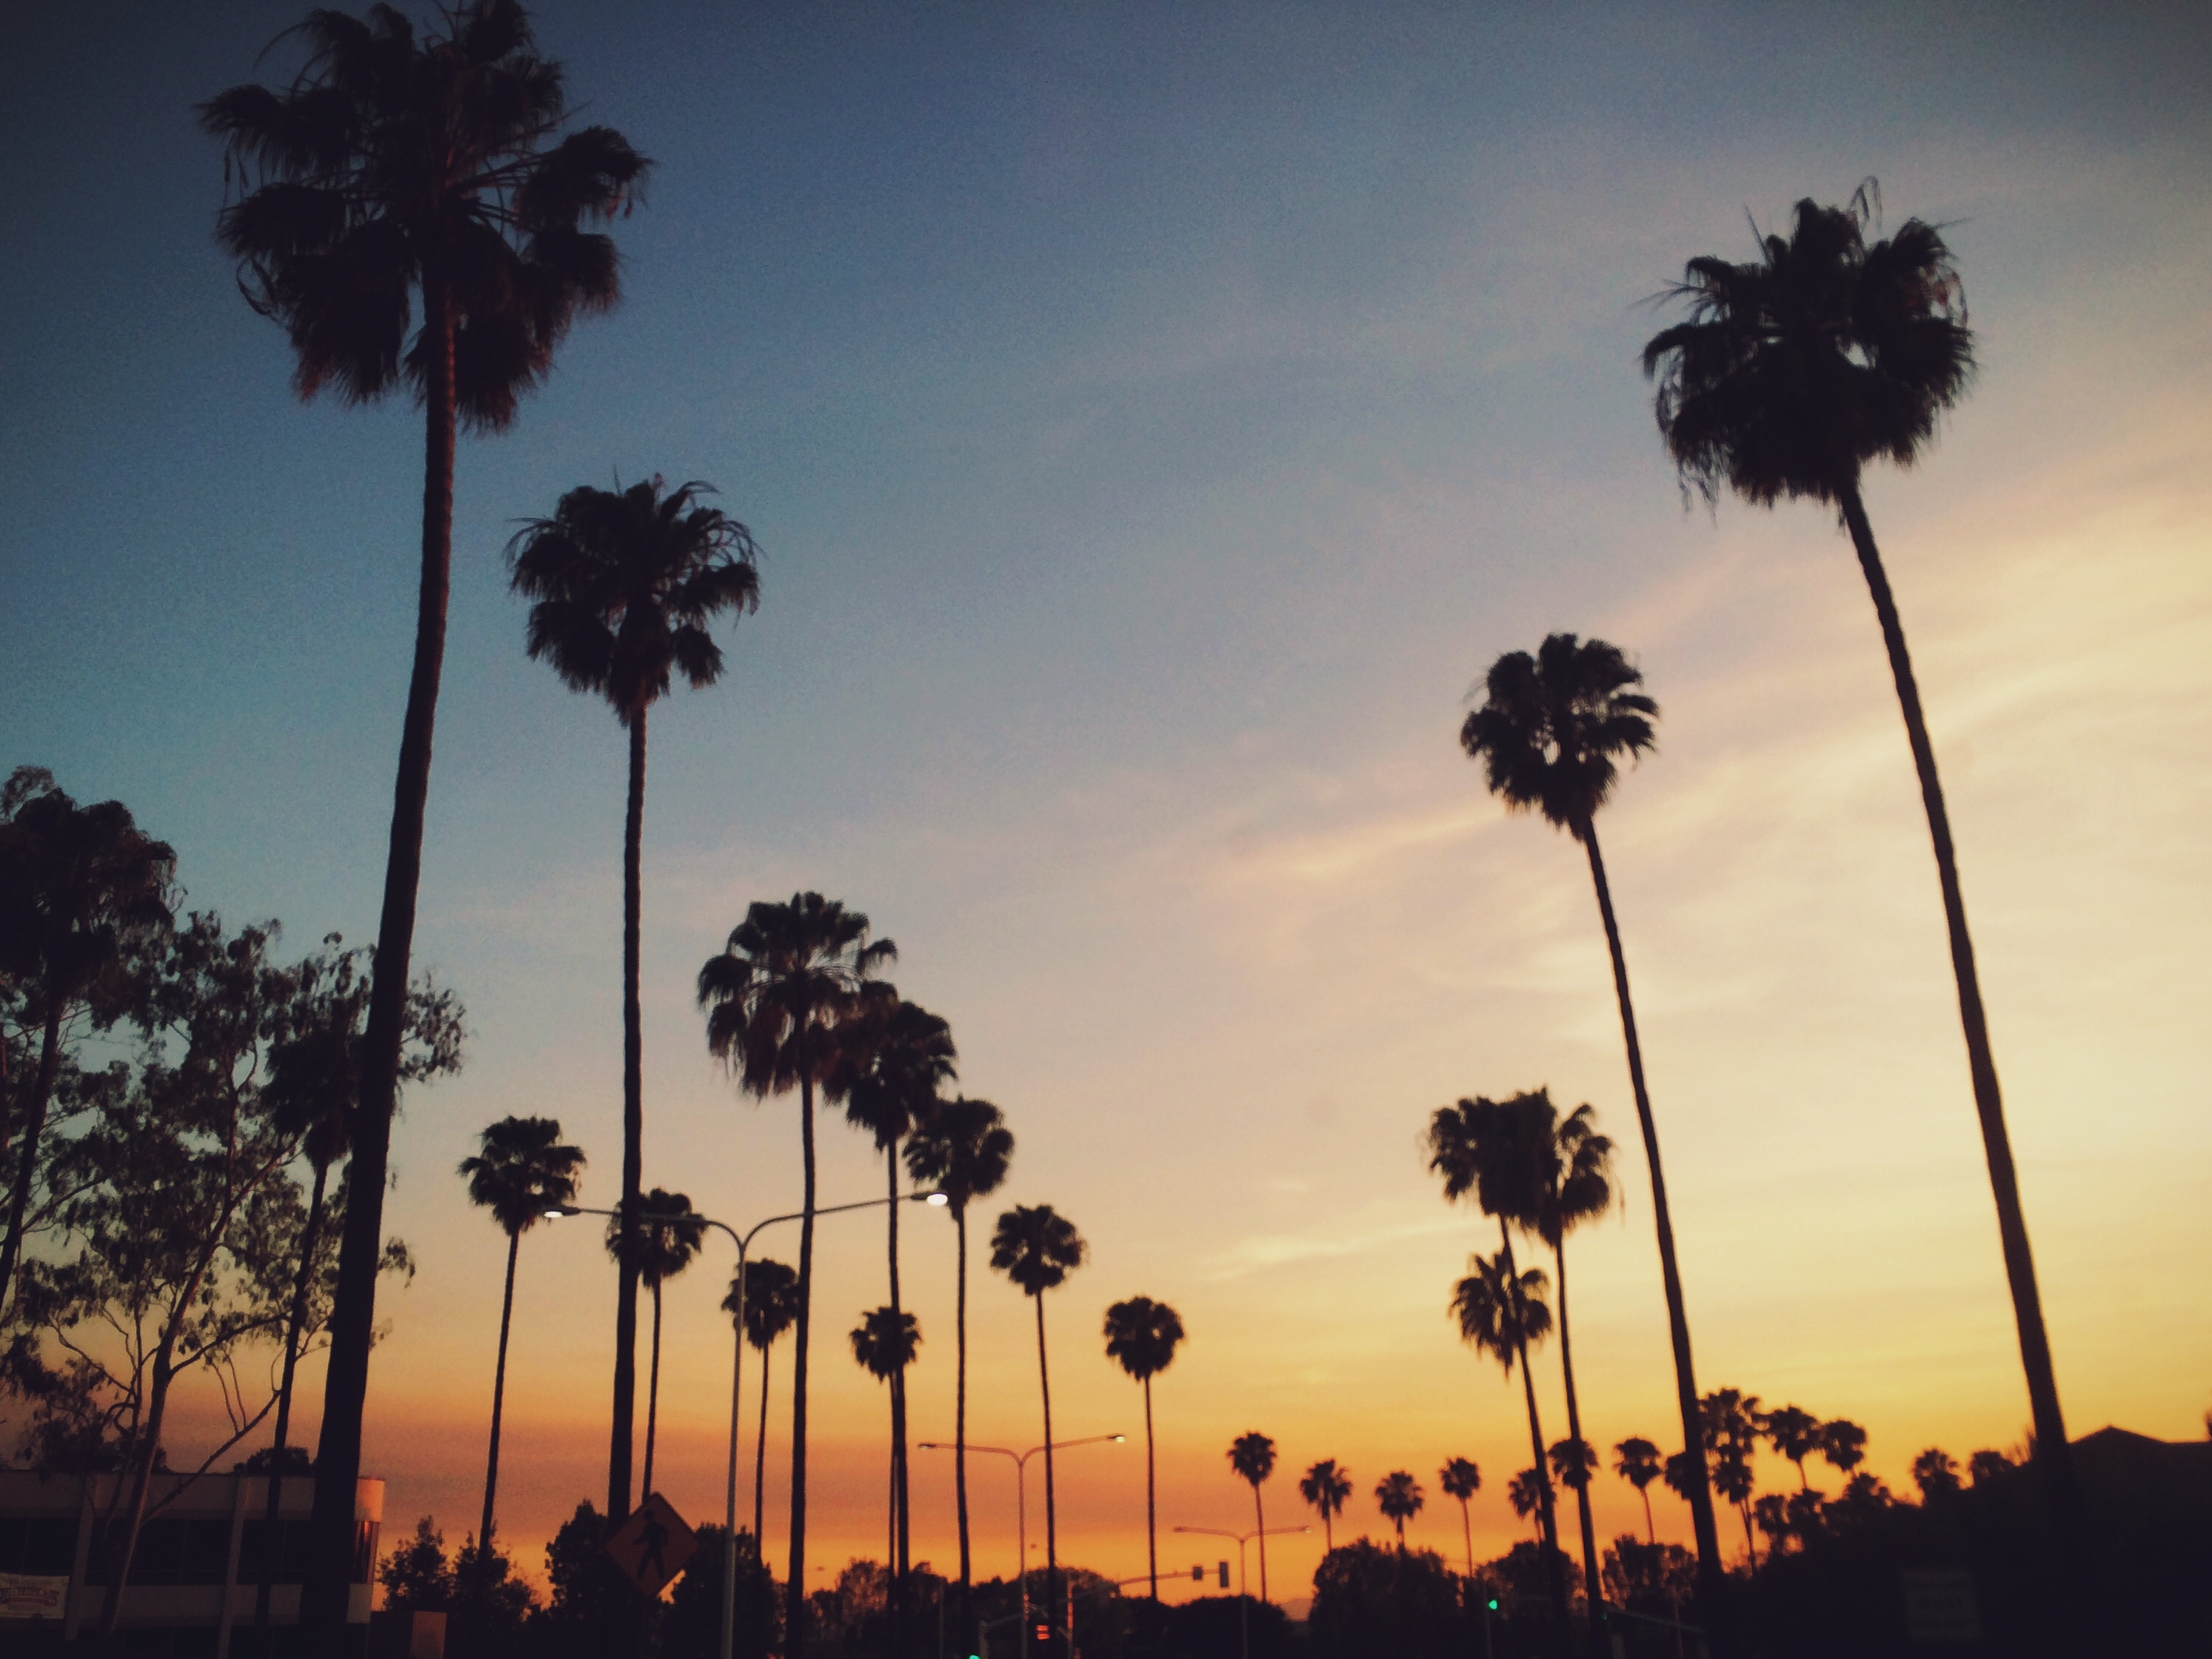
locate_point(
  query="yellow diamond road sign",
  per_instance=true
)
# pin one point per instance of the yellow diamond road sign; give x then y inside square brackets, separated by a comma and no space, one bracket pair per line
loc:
[653,1544]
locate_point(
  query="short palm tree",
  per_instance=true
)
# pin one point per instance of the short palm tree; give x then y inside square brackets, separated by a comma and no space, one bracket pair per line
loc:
[522,1169]
[1550,731]
[775,997]
[1038,1248]
[885,1343]
[1728,1426]
[1399,1498]
[1327,1486]
[1141,1338]
[1936,1471]
[771,1293]
[1843,1445]
[664,1240]
[436,168]
[1461,1478]
[1253,1456]
[962,1148]
[1636,1461]
[1795,1433]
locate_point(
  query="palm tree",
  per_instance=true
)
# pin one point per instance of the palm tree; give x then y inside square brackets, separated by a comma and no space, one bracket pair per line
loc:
[1461,1478]
[1636,1461]
[387,165]
[1795,1433]
[1843,1445]
[522,1169]
[1550,733]
[885,1343]
[1326,1486]
[664,1240]
[1253,1456]
[1791,374]
[962,1148]
[775,997]
[625,585]
[1525,1491]
[1399,1498]
[1729,1426]
[771,1295]
[1936,1471]
[1038,1248]
[1141,1337]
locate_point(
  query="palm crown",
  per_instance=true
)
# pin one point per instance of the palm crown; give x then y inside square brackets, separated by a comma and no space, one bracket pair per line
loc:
[1460,1478]
[1574,1177]
[962,1148]
[1551,728]
[1037,1246]
[771,1301]
[1141,1336]
[775,995]
[523,1170]
[1500,1310]
[1637,1461]
[664,1239]
[885,1341]
[1253,1456]
[1400,1497]
[1795,370]
[895,1058]
[1326,1487]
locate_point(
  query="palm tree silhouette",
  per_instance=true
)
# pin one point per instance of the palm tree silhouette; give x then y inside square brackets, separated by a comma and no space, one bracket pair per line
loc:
[1936,1471]
[771,1303]
[1141,1337]
[1792,373]
[1728,1426]
[885,1343]
[625,585]
[1636,1461]
[391,165]
[1253,1456]
[1461,1478]
[1795,1434]
[1399,1498]
[1525,1491]
[1843,1445]
[895,1057]
[665,1239]
[775,996]
[962,1148]
[1549,732]
[1038,1248]
[1326,1486]
[522,1170]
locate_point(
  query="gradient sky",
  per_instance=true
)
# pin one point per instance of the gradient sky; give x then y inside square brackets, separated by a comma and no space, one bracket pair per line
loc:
[1155,418]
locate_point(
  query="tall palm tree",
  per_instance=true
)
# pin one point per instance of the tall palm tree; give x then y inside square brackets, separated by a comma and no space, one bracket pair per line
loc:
[665,1238]
[962,1148]
[1399,1496]
[388,167]
[775,998]
[625,586]
[1141,1337]
[771,1291]
[1253,1456]
[1326,1486]
[1792,373]
[885,1343]
[1549,733]
[1038,1248]
[1636,1461]
[522,1169]
[1461,1478]
[1795,1433]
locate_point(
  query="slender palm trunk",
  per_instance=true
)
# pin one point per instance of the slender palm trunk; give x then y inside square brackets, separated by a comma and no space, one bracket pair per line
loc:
[272,1518]
[1594,1586]
[2052,1452]
[1650,1531]
[1051,1505]
[1260,1520]
[1750,1544]
[1151,1511]
[34,1130]
[960,1420]
[794,1589]
[651,1402]
[623,1425]
[1711,1586]
[900,1531]
[328,1590]
[1467,1535]
[760,1462]
[1327,1533]
[1548,1521]
[498,1396]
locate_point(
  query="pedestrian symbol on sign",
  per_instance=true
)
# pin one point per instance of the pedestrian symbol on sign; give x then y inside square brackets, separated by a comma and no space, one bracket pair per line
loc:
[653,1546]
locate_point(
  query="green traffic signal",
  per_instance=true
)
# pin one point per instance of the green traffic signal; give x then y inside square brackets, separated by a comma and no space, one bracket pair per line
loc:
[1492,1604]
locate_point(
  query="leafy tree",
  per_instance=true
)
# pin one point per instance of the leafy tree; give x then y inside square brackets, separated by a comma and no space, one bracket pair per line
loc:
[1987,1465]
[1549,733]
[691,1627]
[1636,1461]
[576,1614]
[1370,1599]
[1795,1434]
[1325,1485]
[1790,376]
[664,1240]
[490,1605]
[1400,1497]
[1253,1456]
[416,1577]
[1936,1471]
[391,169]
[1461,1478]
[1649,1578]
[790,975]
[1038,1248]
[522,1170]
[885,1343]
[962,1148]
[771,1295]
[1141,1338]
[1843,1445]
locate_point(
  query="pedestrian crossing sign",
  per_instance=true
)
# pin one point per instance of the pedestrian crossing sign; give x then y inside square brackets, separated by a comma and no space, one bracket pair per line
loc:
[653,1546]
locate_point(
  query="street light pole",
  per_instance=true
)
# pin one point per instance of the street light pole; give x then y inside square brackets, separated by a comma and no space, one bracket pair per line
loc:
[1243,1598]
[744,1242]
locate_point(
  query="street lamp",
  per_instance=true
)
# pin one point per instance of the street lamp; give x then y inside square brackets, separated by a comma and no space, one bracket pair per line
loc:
[744,1242]
[1243,1600]
[1021,1503]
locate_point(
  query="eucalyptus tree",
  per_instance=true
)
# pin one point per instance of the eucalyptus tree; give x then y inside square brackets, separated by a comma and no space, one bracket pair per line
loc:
[1461,1478]
[1253,1456]
[1327,1486]
[662,1240]
[962,1148]
[771,1300]
[1637,1461]
[430,183]
[885,1343]
[1550,731]
[1142,1336]
[1036,1248]
[790,975]
[1400,1497]
[1791,374]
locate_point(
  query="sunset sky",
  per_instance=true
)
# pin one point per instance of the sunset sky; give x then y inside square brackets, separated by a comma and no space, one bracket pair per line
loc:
[1155,418]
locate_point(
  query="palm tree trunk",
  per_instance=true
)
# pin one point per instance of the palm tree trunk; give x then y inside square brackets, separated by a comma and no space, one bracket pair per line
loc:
[1650,1531]
[2052,1453]
[1593,1586]
[35,1130]
[960,1421]
[1051,1508]
[794,1589]
[328,1590]
[760,1462]
[623,1425]
[498,1397]
[651,1402]
[1548,1521]
[900,1534]
[1151,1511]
[1711,1585]
[273,1516]
[1260,1520]
[1466,1536]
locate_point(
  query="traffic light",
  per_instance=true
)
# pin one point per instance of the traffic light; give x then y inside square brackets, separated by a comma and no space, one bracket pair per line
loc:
[1492,1604]
[1197,1572]
[1225,1575]
[1044,1634]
